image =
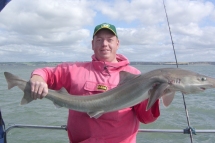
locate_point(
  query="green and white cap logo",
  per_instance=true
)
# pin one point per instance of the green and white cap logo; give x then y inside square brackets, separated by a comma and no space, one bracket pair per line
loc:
[105,26]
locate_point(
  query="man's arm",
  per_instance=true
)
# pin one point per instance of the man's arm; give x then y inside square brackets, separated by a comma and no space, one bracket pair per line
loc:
[147,116]
[47,77]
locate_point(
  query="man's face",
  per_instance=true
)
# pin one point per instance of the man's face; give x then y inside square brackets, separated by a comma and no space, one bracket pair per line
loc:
[105,45]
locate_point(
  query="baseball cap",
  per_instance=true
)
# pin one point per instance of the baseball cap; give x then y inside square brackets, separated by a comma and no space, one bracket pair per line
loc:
[105,26]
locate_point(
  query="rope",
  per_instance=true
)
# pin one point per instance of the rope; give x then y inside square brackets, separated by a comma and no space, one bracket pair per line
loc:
[189,129]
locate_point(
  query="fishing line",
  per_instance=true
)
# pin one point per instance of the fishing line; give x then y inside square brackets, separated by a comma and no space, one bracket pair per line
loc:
[185,107]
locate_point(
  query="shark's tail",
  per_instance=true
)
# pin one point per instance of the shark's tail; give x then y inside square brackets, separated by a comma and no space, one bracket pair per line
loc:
[13,80]
[10,78]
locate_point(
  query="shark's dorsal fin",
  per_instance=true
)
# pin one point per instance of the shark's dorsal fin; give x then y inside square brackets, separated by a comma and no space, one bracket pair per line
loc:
[63,91]
[126,76]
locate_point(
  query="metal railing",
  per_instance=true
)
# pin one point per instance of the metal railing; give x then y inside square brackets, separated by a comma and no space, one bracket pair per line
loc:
[64,127]
[13,126]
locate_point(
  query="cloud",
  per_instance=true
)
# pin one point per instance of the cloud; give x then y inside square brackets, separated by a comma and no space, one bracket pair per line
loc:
[50,22]
[141,36]
[144,11]
[186,11]
[55,30]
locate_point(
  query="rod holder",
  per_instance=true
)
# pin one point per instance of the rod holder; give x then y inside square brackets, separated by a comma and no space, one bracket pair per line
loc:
[188,129]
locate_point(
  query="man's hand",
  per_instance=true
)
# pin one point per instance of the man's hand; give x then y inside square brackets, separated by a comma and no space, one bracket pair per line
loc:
[39,87]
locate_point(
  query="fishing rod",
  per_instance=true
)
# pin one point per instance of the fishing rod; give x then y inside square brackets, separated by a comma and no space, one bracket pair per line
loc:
[190,129]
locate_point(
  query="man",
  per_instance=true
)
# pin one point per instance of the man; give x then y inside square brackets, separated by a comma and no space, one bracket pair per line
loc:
[99,75]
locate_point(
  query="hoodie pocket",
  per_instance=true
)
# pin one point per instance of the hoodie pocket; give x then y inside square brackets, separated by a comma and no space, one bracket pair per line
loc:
[96,87]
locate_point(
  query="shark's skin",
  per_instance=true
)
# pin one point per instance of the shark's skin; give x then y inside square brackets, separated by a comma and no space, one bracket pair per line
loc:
[132,89]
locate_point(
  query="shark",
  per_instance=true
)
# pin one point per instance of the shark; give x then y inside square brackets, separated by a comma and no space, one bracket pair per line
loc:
[131,90]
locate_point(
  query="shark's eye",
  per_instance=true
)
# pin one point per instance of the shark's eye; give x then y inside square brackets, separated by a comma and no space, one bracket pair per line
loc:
[203,78]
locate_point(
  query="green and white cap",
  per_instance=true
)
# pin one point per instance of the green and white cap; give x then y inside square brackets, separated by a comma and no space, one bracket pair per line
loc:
[105,26]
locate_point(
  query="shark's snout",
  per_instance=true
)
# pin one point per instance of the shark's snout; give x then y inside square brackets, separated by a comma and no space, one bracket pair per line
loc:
[211,82]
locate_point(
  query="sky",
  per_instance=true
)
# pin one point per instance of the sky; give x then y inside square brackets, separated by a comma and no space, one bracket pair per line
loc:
[61,30]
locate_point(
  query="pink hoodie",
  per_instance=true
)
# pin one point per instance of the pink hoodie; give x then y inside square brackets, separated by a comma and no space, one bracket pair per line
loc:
[86,78]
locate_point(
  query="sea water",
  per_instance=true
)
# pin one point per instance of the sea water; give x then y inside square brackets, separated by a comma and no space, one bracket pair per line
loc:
[201,109]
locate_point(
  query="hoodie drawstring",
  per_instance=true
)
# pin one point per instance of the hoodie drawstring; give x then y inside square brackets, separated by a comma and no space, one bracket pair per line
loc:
[106,68]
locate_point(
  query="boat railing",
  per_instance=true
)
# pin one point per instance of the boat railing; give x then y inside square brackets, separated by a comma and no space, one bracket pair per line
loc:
[64,127]
[13,126]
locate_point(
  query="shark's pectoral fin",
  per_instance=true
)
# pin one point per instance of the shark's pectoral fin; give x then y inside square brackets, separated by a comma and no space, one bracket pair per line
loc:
[156,93]
[95,114]
[167,98]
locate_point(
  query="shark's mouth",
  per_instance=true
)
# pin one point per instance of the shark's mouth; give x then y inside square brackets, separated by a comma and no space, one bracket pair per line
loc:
[202,88]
